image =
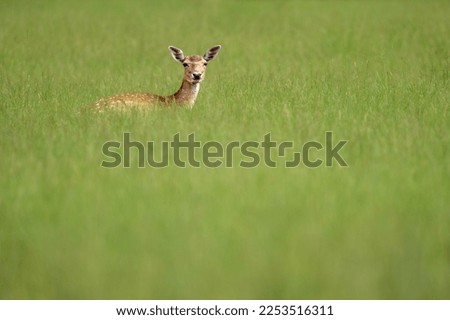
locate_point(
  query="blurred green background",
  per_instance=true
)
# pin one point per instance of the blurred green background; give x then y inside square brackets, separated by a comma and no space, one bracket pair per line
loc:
[373,72]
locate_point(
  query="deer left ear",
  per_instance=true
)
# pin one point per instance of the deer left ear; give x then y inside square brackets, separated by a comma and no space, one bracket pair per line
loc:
[212,53]
[176,53]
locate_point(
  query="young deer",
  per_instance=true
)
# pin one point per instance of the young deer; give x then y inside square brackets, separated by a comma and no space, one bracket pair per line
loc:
[194,73]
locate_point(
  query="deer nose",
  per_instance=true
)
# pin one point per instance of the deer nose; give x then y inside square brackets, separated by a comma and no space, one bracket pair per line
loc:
[196,75]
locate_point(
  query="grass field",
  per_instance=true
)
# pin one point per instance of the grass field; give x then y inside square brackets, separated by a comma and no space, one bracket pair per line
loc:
[373,72]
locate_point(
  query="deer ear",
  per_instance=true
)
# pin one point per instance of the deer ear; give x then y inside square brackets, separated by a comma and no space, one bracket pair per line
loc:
[176,53]
[212,53]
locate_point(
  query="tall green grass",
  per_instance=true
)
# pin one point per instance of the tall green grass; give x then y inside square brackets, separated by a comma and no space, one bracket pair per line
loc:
[373,72]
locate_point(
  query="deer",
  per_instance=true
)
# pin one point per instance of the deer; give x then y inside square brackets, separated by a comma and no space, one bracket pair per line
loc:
[194,74]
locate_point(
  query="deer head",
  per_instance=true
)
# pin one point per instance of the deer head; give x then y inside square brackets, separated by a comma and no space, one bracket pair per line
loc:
[194,66]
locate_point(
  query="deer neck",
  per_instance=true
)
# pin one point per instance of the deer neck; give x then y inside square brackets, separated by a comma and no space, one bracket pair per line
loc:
[187,94]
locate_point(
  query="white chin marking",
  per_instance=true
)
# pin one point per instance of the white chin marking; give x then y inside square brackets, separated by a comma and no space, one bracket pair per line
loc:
[195,89]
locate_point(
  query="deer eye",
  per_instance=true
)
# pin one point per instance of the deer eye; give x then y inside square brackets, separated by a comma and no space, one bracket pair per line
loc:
[205,64]
[185,65]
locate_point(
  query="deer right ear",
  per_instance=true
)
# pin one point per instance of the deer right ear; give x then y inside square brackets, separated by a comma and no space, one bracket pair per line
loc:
[176,53]
[212,53]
